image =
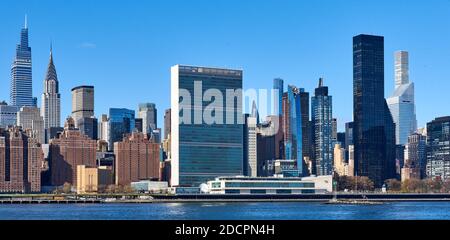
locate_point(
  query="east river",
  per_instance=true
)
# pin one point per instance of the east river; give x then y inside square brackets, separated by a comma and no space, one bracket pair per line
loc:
[227,211]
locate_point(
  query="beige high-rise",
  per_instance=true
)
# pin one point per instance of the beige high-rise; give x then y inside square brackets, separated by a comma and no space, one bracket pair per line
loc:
[30,118]
[82,102]
[340,166]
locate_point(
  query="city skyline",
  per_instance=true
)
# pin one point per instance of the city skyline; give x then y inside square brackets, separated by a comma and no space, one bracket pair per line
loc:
[74,57]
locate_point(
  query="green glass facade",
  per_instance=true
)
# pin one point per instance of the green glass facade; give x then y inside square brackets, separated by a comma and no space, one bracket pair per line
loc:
[205,150]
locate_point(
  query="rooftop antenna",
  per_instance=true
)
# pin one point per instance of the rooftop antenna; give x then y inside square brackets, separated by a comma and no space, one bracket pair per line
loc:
[321,82]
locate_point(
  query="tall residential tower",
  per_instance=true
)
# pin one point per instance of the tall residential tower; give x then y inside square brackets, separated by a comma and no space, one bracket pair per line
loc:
[21,159]
[438,148]
[278,88]
[296,126]
[322,120]
[401,103]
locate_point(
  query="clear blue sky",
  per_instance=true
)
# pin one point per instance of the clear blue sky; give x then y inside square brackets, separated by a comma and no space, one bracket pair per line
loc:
[126,48]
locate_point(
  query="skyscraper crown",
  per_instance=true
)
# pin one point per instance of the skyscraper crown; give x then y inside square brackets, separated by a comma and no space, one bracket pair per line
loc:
[51,70]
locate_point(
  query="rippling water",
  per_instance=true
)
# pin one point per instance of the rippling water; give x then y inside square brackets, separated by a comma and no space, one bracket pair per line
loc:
[228,211]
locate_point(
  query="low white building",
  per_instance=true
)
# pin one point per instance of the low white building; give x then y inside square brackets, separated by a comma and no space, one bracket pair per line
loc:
[150,186]
[271,185]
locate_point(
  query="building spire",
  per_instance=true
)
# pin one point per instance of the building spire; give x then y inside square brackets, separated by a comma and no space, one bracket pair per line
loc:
[51,70]
[26,21]
[320,82]
[51,50]
[255,112]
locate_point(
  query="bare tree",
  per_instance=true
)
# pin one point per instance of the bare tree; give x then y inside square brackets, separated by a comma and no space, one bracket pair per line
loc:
[128,189]
[393,185]
[446,186]
[67,188]
[414,186]
[110,189]
[434,184]
[354,183]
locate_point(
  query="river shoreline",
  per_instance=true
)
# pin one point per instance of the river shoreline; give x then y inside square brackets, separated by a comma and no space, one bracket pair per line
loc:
[206,198]
[422,210]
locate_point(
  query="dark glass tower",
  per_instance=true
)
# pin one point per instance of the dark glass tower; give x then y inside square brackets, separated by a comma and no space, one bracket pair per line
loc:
[21,74]
[279,89]
[306,138]
[374,129]
[121,121]
[348,134]
[322,118]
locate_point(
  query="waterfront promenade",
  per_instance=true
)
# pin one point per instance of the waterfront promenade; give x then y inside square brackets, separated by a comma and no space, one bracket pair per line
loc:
[159,198]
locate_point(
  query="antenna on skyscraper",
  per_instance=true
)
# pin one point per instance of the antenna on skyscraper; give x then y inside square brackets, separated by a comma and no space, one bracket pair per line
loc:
[26,21]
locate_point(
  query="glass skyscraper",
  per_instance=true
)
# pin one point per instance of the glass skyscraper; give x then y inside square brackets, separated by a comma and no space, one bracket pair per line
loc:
[278,101]
[322,119]
[8,115]
[306,125]
[88,126]
[295,108]
[348,134]
[374,129]
[401,103]
[121,121]
[21,73]
[203,150]
[148,113]
[438,148]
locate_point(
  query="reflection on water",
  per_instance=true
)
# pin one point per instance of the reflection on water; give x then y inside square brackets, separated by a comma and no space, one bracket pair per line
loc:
[212,204]
[226,211]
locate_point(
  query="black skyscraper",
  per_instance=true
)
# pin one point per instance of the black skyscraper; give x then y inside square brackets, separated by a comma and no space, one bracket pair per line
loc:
[306,141]
[373,134]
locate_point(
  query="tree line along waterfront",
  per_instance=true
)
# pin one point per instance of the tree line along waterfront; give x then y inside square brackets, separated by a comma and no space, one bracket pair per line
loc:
[345,186]
[364,184]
